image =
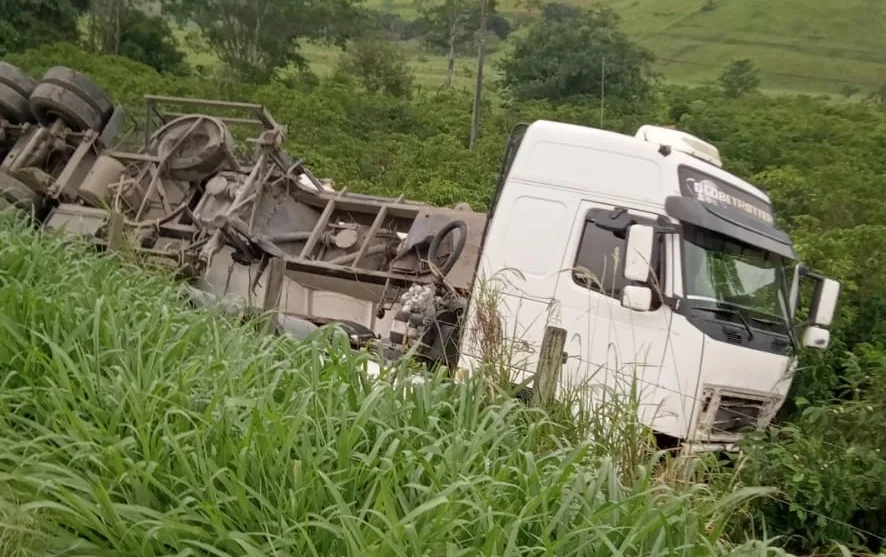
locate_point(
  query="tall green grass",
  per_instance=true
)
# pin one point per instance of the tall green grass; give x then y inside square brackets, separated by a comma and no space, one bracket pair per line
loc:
[132,425]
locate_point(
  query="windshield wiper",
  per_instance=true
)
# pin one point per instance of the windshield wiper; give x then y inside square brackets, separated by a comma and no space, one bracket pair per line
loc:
[753,317]
[767,321]
[732,311]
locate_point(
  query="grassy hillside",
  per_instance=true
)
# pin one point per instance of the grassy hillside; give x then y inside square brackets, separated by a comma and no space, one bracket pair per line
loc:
[822,45]
[818,46]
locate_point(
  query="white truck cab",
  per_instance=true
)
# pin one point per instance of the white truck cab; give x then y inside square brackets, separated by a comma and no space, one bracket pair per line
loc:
[667,272]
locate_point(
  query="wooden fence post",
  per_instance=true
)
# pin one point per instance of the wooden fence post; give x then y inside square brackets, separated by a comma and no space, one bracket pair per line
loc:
[273,289]
[550,362]
[115,230]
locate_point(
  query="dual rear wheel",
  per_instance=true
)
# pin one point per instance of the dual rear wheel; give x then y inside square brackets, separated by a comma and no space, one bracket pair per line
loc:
[16,87]
[62,94]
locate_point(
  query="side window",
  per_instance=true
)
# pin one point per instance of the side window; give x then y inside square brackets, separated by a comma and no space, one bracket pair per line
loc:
[599,263]
[515,139]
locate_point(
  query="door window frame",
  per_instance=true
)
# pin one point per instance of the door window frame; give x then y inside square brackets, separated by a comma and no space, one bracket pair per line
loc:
[658,264]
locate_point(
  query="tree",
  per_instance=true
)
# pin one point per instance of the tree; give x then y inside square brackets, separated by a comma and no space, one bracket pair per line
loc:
[850,89]
[257,37]
[149,40]
[106,25]
[499,25]
[451,25]
[394,25]
[556,11]
[124,27]
[739,78]
[877,97]
[561,59]
[529,7]
[482,31]
[26,24]
[380,65]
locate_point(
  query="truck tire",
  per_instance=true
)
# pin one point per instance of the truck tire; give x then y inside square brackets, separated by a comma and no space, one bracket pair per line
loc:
[13,106]
[457,248]
[82,86]
[16,79]
[295,328]
[200,155]
[50,102]
[18,194]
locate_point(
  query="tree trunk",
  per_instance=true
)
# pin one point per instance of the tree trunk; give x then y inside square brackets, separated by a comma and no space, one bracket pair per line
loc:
[450,68]
[105,25]
[118,16]
[478,88]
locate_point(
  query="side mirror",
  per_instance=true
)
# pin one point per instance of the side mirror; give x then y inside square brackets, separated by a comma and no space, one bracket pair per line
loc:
[816,338]
[638,253]
[637,298]
[824,302]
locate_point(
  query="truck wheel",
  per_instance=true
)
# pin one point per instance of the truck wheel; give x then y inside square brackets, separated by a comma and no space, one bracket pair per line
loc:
[457,248]
[16,79]
[13,107]
[15,88]
[83,87]
[199,155]
[50,102]
[298,329]
[523,394]
[18,194]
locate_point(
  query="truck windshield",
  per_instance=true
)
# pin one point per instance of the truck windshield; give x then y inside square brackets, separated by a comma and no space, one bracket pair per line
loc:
[728,274]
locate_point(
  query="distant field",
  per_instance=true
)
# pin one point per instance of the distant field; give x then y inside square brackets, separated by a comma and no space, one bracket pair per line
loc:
[809,46]
[814,46]
[430,70]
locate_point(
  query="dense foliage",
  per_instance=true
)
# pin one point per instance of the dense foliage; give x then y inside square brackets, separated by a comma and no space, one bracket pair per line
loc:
[28,23]
[254,39]
[822,163]
[149,40]
[823,167]
[379,65]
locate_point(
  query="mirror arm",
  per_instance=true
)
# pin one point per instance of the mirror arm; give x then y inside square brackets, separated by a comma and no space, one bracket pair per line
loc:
[807,272]
[667,229]
[794,295]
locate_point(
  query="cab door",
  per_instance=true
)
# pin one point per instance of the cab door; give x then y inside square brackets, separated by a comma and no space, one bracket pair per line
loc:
[607,344]
[516,279]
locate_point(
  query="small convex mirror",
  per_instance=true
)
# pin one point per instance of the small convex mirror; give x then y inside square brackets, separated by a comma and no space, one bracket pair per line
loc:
[637,298]
[816,338]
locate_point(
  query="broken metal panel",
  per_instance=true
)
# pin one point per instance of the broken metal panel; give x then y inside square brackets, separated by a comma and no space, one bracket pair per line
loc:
[728,412]
[308,296]
[77,220]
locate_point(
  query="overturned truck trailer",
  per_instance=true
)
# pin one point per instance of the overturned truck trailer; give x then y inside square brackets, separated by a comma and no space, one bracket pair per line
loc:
[219,209]
[678,279]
